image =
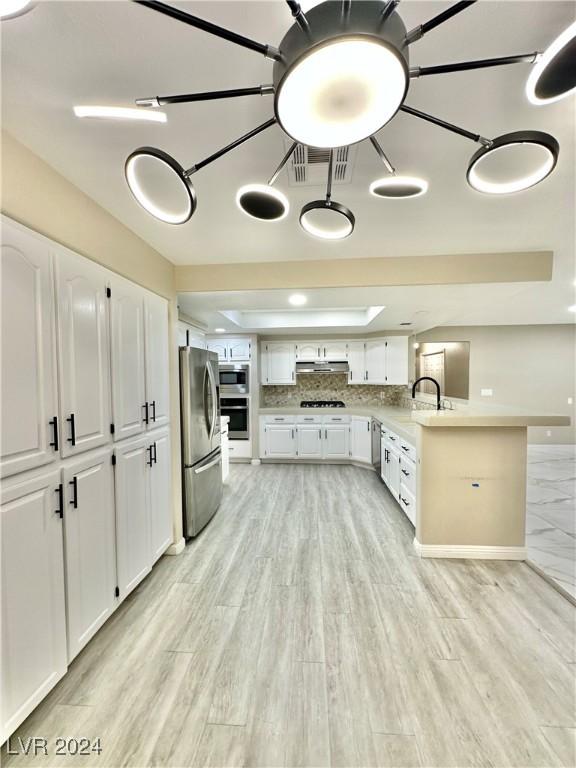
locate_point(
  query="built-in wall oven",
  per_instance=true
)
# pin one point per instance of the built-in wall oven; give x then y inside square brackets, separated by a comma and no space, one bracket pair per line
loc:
[234,379]
[238,409]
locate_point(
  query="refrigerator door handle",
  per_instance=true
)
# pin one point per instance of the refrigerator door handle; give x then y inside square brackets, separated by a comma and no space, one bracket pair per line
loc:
[217,460]
[214,398]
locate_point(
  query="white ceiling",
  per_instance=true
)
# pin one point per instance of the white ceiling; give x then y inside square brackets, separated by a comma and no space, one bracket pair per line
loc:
[66,53]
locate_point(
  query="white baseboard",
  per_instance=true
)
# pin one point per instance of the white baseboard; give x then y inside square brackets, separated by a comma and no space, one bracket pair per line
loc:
[255,462]
[177,547]
[469,552]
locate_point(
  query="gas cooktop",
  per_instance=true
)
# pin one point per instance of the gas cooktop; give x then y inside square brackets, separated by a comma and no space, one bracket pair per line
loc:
[322,404]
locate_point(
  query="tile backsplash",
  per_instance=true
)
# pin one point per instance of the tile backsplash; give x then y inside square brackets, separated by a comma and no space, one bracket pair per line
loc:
[331,387]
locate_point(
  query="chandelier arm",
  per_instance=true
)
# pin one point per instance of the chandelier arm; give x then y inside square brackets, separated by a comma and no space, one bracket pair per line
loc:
[299,15]
[346,5]
[329,184]
[448,126]
[461,66]
[160,101]
[418,32]
[388,9]
[282,164]
[382,155]
[213,29]
[228,147]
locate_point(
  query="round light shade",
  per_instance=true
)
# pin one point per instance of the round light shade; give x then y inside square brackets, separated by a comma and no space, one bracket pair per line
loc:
[554,75]
[327,220]
[398,187]
[160,185]
[262,202]
[341,92]
[514,162]
[11,8]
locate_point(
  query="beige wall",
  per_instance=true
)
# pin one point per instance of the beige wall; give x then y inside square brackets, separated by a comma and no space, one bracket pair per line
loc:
[34,194]
[529,366]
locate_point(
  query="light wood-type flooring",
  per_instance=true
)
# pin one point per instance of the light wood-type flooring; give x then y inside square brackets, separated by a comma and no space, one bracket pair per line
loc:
[299,629]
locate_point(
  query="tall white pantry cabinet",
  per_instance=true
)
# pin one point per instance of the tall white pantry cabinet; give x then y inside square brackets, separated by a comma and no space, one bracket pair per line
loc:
[84,456]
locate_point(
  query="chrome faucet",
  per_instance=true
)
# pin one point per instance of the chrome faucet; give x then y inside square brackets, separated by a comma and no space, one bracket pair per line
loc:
[427,378]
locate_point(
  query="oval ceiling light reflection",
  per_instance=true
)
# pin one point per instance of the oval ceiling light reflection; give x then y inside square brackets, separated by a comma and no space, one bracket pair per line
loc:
[513,162]
[9,9]
[399,187]
[553,76]
[160,185]
[327,220]
[262,202]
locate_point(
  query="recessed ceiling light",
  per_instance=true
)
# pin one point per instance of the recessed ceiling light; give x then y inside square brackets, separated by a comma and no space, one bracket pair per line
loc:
[219,330]
[120,113]
[11,8]
[297,299]
[553,77]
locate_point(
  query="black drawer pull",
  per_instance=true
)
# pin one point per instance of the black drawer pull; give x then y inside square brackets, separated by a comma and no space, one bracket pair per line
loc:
[150,459]
[60,493]
[146,414]
[153,406]
[404,448]
[54,424]
[404,472]
[72,422]
[406,503]
[74,499]
[155,453]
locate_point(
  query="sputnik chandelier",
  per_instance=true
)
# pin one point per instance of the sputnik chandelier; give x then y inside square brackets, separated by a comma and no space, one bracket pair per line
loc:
[341,73]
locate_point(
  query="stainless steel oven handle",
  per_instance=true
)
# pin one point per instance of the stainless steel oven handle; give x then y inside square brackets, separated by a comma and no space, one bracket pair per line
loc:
[234,407]
[208,466]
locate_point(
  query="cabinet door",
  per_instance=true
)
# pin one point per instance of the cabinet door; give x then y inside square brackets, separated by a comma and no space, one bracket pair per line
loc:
[280,441]
[33,604]
[336,441]
[394,471]
[334,351]
[308,351]
[376,362]
[356,362]
[221,347]
[28,352]
[84,354]
[239,349]
[309,441]
[90,537]
[361,439]
[384,460]
[132,513]
[157,365]
[397,360]
[281,363]
[160,495]
[128,373]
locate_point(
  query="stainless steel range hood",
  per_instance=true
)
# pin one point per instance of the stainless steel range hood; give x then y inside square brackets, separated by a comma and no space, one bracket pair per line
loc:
[323,367]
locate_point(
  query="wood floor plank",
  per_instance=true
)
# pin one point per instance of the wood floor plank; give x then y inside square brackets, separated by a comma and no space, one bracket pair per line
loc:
[563,742]
[395,751]
[308,740]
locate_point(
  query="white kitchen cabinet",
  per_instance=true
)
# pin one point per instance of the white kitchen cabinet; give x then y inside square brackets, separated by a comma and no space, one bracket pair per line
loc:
[407,503]
[336,441]
[361,439]
[393,475]
[239,350]
[33,602]
[160,494]
[384,459]
[334,351]
[356,362]
[225,447]
[189,336]
[156,338]
[133,547]
[128,365]
[280,363]
[84,353]
[29,431]
[375,363]
[309,441]
[308,351]
[397,360]
[220,347]
[279,441]
[90,546]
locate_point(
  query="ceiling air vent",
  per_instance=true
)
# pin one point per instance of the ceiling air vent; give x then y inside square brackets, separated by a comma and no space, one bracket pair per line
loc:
[309,165]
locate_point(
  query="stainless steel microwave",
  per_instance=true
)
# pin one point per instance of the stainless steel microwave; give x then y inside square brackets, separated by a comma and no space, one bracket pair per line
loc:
[234,379]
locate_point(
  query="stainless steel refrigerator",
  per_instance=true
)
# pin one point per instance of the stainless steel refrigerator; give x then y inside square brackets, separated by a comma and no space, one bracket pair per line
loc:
[201,451]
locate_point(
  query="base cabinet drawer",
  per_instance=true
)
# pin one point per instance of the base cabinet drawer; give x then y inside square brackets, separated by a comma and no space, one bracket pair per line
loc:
[408,474]
[408,503]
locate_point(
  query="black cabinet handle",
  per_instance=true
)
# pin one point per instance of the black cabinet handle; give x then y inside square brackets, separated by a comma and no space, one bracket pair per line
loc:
[155,453]
[405,473]
[72,422]
[150,459]
[54,424]
[74,499]
[406,503]
[153,406]
[146,415]
[404,448]
[60,493]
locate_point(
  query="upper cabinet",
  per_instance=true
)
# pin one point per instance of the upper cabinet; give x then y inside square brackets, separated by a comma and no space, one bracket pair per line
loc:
[357,369]
[84,359]
[188,336]
[278,363]
[397,360]
[375,362]
[29,436]
[307,351]
[315,351]
[156,358]
[231,350]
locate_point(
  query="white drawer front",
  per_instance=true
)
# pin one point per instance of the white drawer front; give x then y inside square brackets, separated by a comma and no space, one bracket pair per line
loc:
[333,419]
[408,449]
[287,418]
[309,419]
[408,503]
[393,437]
[408,473]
